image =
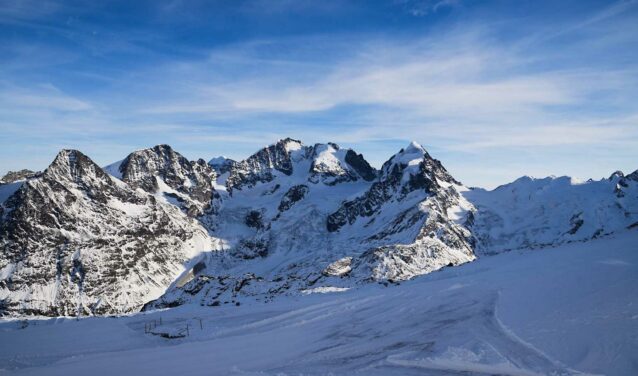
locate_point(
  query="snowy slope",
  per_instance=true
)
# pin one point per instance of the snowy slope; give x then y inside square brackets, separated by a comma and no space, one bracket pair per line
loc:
[538,212]
[497,315]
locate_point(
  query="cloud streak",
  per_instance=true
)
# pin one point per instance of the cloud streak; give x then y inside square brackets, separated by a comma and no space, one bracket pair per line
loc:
[469,91]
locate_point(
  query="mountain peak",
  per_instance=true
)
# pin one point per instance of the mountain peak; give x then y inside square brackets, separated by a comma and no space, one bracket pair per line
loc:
[68,158]
[415,147]
[290,144]
[67,155]
[73,164]
[221,164]
[215,161]
[160,169]
[412,155]
[617,174]
[13,176]
[162,148]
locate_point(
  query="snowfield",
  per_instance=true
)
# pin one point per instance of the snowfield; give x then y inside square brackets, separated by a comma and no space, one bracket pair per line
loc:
[572,309]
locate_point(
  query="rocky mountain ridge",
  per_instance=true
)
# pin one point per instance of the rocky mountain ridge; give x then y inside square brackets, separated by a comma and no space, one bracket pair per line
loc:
[157,230]
[14,176]
[76,241]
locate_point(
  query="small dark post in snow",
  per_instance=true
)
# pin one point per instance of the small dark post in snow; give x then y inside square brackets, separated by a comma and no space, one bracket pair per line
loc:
[201,327]
[160,320]
[187,332]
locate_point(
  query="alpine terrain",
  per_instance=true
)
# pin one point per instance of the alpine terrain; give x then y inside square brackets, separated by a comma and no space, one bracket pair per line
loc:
[245,248]
[157,230]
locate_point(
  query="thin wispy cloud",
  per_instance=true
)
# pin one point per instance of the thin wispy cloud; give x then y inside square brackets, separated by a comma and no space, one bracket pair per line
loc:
[469,87]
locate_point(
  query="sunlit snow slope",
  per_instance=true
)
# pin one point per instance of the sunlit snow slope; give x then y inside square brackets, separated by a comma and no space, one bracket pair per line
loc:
[559,311]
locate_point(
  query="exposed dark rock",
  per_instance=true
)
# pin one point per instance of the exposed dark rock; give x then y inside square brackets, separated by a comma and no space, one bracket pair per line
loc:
[221,165]
[576,222]
[360,165]
[294,194]
[392,185]
[68,230]
[258,168]
[13,176]
[254,219]
[616,174]
[193,180]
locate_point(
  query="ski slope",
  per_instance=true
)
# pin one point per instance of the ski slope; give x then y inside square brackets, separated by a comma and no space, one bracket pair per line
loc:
[566,310]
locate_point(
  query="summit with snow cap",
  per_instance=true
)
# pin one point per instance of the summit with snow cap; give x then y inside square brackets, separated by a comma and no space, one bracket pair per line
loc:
[78,239]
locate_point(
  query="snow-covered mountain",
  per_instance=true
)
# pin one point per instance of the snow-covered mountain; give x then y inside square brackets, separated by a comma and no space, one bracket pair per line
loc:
[15,176]
[162,170]
[221,164]
[77,241]
[532,213]
[158,230]
[301,217]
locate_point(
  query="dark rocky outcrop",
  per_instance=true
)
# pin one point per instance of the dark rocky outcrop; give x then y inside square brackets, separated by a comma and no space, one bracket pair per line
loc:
[360,165]
[13,176]
[96,244]
[259,167]
[294,194]
[192,179]
[399,177]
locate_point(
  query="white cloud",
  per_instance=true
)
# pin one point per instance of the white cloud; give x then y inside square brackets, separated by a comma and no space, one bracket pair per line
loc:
[462,93]
[40,98]
[460,88]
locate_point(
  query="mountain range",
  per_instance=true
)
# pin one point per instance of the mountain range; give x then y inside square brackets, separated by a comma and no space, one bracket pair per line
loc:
[156,230]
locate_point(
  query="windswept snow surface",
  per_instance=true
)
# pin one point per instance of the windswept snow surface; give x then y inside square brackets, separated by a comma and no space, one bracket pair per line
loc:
[532,213]
[567,310]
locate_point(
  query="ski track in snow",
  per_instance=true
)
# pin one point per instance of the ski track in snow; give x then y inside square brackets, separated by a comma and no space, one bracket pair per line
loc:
[498,315]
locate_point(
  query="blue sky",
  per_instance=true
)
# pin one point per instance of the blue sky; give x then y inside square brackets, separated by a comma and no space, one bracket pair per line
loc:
[495,89]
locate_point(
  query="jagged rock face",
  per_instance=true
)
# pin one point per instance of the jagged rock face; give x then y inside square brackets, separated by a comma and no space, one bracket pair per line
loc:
[408,231]
[222,165]
[289,219]
[13,176]
[258,168]
[412,176]
[633,176]
[333,165]
[360,165]
[400,262]
[440,242]
[188,183]
[75,241]
[320,163]
[294,194]
[409,170]
[339,268]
